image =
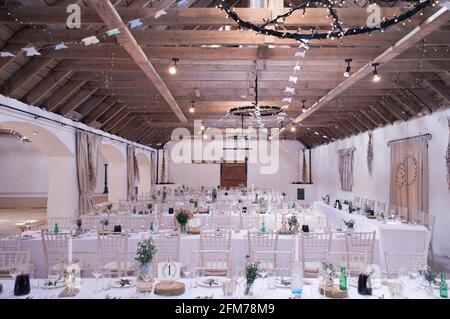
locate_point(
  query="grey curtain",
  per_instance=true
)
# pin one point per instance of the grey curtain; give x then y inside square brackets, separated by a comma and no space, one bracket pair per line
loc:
[152,170]
[132,172]
[448,154]
[409,174]
[345,167]
[87,151]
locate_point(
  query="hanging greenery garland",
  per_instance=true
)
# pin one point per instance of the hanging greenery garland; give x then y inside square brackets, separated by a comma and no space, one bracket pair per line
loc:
[337,29]
[370,154]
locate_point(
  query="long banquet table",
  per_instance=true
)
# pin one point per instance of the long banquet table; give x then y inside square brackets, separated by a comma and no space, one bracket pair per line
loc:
[393,236]
[88,290]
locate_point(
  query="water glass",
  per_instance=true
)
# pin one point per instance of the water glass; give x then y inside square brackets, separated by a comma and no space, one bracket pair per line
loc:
[106,278]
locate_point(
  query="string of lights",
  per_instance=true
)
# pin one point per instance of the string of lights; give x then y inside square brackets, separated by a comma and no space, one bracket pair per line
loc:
[337,29]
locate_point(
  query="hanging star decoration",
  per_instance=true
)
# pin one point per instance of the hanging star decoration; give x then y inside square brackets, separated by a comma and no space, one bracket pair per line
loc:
[289,90]
[31,51]
[293,79]
[90,40]
[112,32]
[135,23]
[160,13]
[61,46]
[6,54]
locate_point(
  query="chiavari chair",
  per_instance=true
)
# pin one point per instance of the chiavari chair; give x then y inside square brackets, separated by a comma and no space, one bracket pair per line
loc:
[361,242]
[14,259]
[263,243]
[215,253]
[314,249]
[398,263]
[56,249]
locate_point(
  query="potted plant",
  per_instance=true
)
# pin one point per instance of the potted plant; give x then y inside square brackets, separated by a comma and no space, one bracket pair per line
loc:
[144,256]
[252,271]
[293,224]
[182,218]
[109,207]
[104,222]
[150,207]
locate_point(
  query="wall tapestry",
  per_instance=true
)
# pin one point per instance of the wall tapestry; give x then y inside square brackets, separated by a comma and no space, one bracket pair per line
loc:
[370,153]
[409,174]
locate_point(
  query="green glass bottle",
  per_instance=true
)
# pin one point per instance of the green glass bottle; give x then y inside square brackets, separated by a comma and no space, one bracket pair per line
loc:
[151,227]
[443,289]
[56,229]
[343,278]
[263,227]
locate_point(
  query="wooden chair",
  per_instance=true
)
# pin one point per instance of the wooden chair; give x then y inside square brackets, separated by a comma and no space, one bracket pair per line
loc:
[14,259]
[56,249]
[380,206]
[63,223]
[314,248]
[354,262]
[361,242]
[168,248]
[249,221]
[392,209]
[215,252]
[112,247]
[397,263]
[263,243]
[370,203]
[212,262]
[218,221]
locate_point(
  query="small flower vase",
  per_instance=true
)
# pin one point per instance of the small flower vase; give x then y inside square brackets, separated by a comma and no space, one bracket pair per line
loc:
[295,230]
[144,283]
[248,289]
[183,228]
[329,281]
[350,228]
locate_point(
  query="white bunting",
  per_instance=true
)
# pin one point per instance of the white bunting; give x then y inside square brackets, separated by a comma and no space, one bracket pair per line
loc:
[135,23]
[293,79]
[287,100]
[304,45]
[5,54]
[90,40]
[289,90]
[61,46]
[297,68]
[31,51]
[300,53]
[160,13]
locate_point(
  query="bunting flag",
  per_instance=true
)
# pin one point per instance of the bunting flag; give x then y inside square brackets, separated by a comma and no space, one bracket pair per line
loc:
[5,54]
[31,51]
[135,23]
[287,100]
[90,40]
[293,79]
[304,45]
[297,68]
[160,13]
[61,46]
[289,90]
[113,32]
[300,54]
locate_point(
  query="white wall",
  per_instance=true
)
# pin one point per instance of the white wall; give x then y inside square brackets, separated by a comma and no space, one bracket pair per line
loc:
[209,174]
[23,168]
[326,178]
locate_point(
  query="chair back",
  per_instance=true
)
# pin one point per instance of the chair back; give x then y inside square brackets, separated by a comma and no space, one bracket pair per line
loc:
[10,242]
[402,263]
[361,242]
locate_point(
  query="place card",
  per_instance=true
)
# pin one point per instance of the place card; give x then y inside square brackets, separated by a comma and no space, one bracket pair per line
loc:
[69,292]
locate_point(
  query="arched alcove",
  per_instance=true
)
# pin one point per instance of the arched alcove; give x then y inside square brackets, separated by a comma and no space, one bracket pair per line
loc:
[62,190]
[115,156]
[144,164]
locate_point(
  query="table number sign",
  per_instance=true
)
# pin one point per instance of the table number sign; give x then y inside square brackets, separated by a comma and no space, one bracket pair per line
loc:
[169,270]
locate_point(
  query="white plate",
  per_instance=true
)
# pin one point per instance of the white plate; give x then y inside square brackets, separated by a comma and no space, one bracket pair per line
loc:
[216,282]
[121,282]
[282,282]
[376,283]
[60,283]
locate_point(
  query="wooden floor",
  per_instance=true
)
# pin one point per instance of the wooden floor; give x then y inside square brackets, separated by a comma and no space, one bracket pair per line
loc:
[9,217]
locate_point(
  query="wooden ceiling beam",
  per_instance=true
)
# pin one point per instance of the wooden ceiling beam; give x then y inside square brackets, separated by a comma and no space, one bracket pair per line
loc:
[123,121]
[113,20]
[440,88]
[424,29]
[57,99]
[73,103]
[380,114]
[13,85]
[191,16]
[37,95]
[216,37]
[411,110]
[363,123]
[112,117]
[89,105]
[393,110]
[96,113]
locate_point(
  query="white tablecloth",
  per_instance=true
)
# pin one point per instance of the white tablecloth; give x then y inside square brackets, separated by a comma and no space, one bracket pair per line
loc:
[393,236]
[310,291]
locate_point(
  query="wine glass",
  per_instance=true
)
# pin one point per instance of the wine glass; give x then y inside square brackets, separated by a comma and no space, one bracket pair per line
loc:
[188,271]
[13,272]
[53,277]
[97,272]
[146,276]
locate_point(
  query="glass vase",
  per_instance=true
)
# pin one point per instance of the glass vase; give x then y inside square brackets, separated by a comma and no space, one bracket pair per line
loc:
[248,291]
[183,228]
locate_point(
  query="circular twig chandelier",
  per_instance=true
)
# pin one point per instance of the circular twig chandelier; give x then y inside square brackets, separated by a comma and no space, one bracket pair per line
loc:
[337,28]
[255,110]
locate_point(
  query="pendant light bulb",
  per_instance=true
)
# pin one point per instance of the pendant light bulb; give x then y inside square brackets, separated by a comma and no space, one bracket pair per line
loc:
[173,66]
[376,76]
[348,68]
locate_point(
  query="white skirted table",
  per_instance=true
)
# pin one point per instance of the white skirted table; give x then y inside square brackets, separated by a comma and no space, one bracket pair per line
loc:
[90,289]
